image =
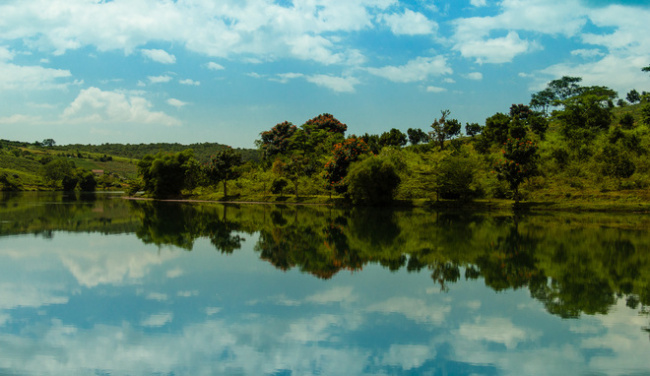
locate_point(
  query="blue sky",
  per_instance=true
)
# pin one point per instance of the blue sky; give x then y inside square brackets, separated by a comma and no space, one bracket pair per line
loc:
[132,71]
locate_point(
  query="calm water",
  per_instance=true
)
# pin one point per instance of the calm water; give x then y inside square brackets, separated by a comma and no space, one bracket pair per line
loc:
[97,285]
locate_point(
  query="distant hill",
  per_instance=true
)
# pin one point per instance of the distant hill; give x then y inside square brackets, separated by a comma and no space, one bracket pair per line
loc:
[202,151]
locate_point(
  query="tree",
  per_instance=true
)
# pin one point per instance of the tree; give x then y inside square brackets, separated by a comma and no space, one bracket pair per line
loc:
[343,154]
[277,140]
[164,175]
[584,116]
[645,114]
[454,177]
[394,137]
[48,142]
[326,122]
[497,128]
[372,181]
[444,129]
[417,135]
[542,100]
[56,170]
[519,163]
[473,129]
[87,181]
[222,167]
[646,69]
[627,121]
[633,96]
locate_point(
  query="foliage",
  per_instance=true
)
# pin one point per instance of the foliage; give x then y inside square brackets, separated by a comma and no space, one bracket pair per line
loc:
[326,122]
[394,138]
[454,177]
[473,129]
[277,140]
[372,181]
[633,96]
[444,129]
[519,163]
[336,168]
[416,136]
[583,117]
[223,167]
[164,175]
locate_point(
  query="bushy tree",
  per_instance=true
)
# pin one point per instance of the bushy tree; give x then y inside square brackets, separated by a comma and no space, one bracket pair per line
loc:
[164,175]
[223,167]
[87,181]
[584,116]
[56,170]
[326,122]
[633,96]
[343,154]
[497,128]
[417,135]
[473,129]
[519,162]
[394,138]
[277,140]
[454,177]
[372,181]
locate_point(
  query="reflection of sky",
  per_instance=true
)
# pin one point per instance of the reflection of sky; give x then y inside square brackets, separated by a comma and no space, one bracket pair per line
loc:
[87,303]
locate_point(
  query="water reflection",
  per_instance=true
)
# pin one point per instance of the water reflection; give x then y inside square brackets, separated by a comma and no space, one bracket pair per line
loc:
[108,286]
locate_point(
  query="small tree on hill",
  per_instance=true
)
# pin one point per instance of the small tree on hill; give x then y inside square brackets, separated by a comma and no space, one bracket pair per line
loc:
[444,129]
[519,163]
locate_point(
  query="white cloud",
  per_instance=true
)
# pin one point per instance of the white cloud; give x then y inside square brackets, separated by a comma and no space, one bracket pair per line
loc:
[477,76]
[435,89]
[338,84]
[157,296]
[478,3]
[175,273]
[214,66]
[286,77]
[93,105]
[176,103]
[410,23]
[160,56]
[20,119]
[158,320]
[5,54]
[31,77]
[159,79]
[495,50]
[587,53]
[419,69]
[408,356]
[189,82]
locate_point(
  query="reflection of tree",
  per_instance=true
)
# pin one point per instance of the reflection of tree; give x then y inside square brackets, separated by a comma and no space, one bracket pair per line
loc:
[180,225]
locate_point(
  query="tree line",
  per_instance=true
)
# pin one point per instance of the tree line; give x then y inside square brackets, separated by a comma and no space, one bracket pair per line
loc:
[568,135]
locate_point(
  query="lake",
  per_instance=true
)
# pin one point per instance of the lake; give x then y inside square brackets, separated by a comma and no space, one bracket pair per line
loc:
[99,285]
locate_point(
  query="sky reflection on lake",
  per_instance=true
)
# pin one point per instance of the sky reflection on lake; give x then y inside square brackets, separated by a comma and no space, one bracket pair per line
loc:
[86,303]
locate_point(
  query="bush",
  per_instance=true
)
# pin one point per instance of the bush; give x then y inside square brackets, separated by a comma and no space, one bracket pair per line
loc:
[372,181]
[455,177]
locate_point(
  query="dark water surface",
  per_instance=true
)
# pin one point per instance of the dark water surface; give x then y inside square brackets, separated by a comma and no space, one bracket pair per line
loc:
[98,285]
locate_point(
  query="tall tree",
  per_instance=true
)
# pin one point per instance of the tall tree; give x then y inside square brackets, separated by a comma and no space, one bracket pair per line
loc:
[222,167]
[519,162]
[444,129]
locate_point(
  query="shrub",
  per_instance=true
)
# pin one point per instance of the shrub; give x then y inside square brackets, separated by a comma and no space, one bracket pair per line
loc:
[372,181]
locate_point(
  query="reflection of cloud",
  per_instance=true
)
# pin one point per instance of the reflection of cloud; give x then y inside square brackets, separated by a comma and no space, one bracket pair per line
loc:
[336,295]
[414,309]
[15,295]
[174,273]
[499,330]
[408,356]
[157,296]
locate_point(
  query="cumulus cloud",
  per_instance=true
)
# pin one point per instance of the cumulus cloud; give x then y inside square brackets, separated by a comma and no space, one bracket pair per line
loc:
[159,79]
[338,84]
[160,56]
[93,105]
[14,76]
[176,103]
[409,23]
[158,320]
[477,76]
[478,3]
[495,50]
[214,66]
[189,82]
[435,89]
[419,69]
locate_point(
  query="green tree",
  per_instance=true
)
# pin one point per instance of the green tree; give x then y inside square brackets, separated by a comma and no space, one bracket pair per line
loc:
[164,175]
[223,167]
[444,129]
[394,138]
[372,181]
[343,154]
[497,128]
[48,142]
[627,121]
[277,140]
[56,170]
[584,116]
[454,177]
[417,135]
[645,114]
[519,162]
[633,96]
[87,181]
[473,129]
